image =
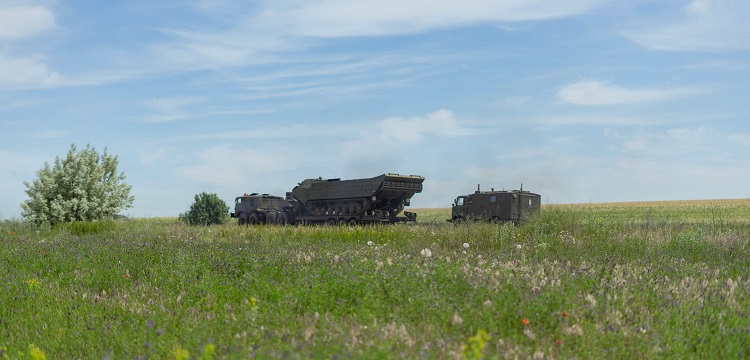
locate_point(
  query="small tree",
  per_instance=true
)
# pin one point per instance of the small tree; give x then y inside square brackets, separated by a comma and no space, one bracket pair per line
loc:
[83,186]
[208,209]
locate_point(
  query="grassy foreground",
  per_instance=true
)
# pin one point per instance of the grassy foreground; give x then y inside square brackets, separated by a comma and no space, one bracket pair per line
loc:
[640,280]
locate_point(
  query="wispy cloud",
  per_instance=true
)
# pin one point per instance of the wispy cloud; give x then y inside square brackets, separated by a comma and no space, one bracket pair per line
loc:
[29,71]
[599,93]
[346,18]
[705,25]
[20,21]
[388,138]
[169,109]
[228,165]
[256,35]
[671,142]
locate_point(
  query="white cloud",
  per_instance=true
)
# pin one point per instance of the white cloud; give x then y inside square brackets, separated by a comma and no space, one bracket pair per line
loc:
[24,21]
[345,18]
[169,109]
[27,72]
[227,165]
[253,35]
[740,138]
[393,134]
[598,93]
[672,142]
[706,25]
[386,145]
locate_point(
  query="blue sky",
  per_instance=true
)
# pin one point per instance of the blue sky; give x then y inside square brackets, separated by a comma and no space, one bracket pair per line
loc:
[579,100]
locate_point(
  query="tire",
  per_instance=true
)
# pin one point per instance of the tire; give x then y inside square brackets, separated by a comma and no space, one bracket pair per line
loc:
[253,219]
[281,219]
[242,219]
[271,217]
[331,222]
[351,221]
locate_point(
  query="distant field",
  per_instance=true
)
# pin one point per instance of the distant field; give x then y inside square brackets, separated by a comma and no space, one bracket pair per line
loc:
[728,210]
[589,281]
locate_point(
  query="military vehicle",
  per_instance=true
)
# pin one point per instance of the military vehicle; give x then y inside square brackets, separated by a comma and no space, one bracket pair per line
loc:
[495,206]
[334,201]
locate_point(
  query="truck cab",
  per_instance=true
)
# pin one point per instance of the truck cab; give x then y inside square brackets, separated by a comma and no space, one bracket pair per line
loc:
[260,208]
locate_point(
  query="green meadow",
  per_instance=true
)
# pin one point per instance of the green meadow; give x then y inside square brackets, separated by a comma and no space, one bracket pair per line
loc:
[590,281]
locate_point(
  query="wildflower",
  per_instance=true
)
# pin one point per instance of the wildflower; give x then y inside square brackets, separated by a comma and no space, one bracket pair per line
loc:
[564,314]
[426,252]
[525,321]
[574,330]
[180,354]
[33,283]
[518,246]
[474,345]
[369,243]
[11,233]
[208,351]
[457,320]
[127,276]
[36,353]
[466,245]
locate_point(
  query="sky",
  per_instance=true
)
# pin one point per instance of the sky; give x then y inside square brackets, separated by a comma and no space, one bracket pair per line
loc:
[580,101]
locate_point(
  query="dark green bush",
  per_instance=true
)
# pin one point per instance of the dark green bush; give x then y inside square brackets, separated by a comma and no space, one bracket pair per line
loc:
[208,209]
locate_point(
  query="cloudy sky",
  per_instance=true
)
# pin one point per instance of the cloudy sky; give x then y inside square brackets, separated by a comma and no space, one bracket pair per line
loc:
[579,100]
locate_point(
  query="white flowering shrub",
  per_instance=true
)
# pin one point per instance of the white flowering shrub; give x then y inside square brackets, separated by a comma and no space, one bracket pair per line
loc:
[82,186]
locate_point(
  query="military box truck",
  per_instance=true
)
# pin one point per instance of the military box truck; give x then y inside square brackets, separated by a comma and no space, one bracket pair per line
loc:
[495,206]
[334,201]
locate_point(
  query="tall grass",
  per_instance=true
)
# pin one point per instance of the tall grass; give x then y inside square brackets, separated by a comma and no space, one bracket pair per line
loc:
[574,282]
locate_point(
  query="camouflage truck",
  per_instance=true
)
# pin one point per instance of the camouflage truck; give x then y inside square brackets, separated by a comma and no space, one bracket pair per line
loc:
[495,206]
[334,201]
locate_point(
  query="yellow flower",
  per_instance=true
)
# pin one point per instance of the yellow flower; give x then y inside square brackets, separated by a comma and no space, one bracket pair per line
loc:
[36,353]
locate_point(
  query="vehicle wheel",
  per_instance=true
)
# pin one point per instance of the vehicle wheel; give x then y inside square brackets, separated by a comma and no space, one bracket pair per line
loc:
[281,219]
[331,221]
[271,218]
[253,219]
[242,219]
[341,222]
[351,222]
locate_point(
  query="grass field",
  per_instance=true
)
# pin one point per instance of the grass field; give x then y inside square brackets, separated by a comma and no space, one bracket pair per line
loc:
[630,280]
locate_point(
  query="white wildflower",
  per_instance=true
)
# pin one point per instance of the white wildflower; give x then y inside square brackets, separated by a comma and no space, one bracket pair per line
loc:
[426,252]
[457,320]
[574,330]
[466,245]
[369,243]
[518,246]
